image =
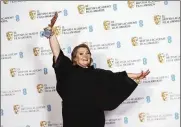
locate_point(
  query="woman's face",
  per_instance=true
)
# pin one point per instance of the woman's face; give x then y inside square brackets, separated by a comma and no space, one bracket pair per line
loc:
[83,57]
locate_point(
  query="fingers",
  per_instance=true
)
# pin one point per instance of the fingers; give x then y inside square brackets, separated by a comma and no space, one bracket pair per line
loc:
[56,14]
[148,70]
[140,74]
[146,73]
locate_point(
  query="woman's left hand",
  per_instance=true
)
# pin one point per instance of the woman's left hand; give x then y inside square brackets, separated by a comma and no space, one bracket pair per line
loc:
[142,75]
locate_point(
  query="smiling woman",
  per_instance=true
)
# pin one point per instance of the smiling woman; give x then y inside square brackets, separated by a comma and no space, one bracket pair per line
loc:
[81,56]
[87,91]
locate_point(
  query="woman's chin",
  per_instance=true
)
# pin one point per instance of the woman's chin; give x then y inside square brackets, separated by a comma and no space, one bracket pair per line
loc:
[85,65]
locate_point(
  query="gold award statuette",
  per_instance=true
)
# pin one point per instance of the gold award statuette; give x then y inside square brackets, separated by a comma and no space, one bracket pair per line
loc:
[48,30]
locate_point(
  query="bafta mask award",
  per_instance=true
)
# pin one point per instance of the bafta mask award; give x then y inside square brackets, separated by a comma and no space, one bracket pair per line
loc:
[48,30]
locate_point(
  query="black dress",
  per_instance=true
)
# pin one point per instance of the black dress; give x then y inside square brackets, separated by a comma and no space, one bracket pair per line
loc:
[88,92]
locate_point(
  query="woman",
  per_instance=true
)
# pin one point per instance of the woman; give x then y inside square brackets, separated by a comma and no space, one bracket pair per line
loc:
[87,92]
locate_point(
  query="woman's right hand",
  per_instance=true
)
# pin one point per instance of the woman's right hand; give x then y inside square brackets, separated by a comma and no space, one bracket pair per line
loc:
[49,30]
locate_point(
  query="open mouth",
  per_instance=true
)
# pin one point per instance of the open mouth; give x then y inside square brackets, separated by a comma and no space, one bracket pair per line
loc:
[84,59]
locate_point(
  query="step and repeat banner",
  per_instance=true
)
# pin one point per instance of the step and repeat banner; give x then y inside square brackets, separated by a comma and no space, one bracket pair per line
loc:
[122,35]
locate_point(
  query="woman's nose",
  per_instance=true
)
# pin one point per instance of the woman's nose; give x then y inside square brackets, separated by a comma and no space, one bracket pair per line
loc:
[85,55]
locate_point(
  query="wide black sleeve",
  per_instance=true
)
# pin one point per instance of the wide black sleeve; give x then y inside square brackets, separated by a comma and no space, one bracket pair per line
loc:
[113,88]
[62,67]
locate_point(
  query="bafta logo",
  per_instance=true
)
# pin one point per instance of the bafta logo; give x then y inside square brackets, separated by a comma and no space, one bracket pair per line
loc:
[5,1]
[16,109]
[13,72]
[134,41]
[36,51]
[130,3]
[157,19]
[40,88]
[142,117]
[32,14]
[137,81]
[81,9]
[56,30]
[106,25]
[161,57]
[164,96]
[110,62]
[9,36]
[43,124]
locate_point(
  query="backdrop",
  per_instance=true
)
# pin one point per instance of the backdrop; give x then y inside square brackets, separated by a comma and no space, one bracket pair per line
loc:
[122,35]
